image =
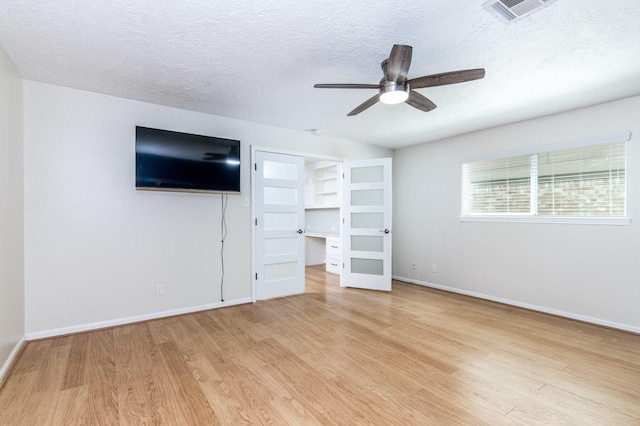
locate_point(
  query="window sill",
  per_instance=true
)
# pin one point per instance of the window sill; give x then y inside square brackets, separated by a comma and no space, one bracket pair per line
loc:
[625,221]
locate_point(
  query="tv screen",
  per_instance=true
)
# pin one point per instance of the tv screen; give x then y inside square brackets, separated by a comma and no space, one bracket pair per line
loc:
[176,161]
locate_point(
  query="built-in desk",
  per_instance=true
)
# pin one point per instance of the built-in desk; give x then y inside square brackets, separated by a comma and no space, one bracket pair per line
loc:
[324,248]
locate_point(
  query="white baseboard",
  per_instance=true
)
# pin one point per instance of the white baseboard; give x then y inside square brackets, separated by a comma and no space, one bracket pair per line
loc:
[12,357]
[112,323]
[597,321]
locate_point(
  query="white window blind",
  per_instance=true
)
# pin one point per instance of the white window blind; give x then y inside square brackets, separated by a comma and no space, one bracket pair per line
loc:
[580,181]
[501,186]
[588,181]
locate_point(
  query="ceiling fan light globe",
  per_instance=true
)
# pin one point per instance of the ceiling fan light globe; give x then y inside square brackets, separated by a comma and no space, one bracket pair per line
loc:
[393,93]
[395,97]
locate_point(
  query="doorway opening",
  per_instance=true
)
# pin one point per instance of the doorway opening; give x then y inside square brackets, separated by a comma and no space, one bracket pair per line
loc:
[312,210]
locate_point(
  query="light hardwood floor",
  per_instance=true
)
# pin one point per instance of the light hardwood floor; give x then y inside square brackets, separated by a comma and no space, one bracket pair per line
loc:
[415,356]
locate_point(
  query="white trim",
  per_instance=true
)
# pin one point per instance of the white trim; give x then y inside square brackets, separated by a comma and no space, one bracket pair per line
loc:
[583,318]
[296,153]
[130,320]
[12,357]
[624,221]
[617,137]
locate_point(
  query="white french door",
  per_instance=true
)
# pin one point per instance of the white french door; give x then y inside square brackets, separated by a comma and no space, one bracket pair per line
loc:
[279,224]
[366,228]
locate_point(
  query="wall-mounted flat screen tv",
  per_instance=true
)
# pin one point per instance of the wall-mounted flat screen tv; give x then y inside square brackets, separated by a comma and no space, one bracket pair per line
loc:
[175,161]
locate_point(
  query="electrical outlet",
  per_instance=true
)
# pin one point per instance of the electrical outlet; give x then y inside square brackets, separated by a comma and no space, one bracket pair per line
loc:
[159,289]
[434,268]
[413,265]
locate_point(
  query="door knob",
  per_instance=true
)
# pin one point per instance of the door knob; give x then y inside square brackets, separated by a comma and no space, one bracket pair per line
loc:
[299,231]
[386,231]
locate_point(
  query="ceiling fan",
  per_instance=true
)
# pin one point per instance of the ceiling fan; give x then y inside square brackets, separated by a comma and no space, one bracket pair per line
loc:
[394,87]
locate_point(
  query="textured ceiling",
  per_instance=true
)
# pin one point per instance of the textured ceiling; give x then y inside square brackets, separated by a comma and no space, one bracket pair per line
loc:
[258,61]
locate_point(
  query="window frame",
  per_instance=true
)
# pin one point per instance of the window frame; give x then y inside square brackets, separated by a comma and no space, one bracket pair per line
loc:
[533,152]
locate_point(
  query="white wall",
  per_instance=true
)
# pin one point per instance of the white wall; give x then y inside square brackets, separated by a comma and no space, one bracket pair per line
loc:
[11,213]
[590,272]
[96,247]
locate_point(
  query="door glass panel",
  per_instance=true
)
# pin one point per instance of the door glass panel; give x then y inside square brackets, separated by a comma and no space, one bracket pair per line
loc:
[280,246]
[280,271]
[367,197]
[279,170]
[367,243]
[367,174]
[280,221]
[367,220]
[284,196]
[366,266]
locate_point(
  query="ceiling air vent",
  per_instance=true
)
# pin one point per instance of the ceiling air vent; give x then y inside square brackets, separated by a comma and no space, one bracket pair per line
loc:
[512,10]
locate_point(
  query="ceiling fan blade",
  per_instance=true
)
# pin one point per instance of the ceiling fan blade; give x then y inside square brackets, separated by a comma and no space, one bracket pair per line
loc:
[366,104]
[399,61]
[445,78]
[346,86]
[416,100]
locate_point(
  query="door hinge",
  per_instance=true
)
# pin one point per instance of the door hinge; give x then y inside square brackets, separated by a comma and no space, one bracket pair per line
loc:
[255,166]
[256,276]
[256,221]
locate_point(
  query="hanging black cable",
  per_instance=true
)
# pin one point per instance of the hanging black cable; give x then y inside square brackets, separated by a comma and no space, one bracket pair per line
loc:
[223,235]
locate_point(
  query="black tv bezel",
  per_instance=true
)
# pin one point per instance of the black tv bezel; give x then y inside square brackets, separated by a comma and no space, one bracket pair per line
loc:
[195,188]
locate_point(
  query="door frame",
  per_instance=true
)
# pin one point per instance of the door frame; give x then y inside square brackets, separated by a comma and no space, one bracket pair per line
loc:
[255,148]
